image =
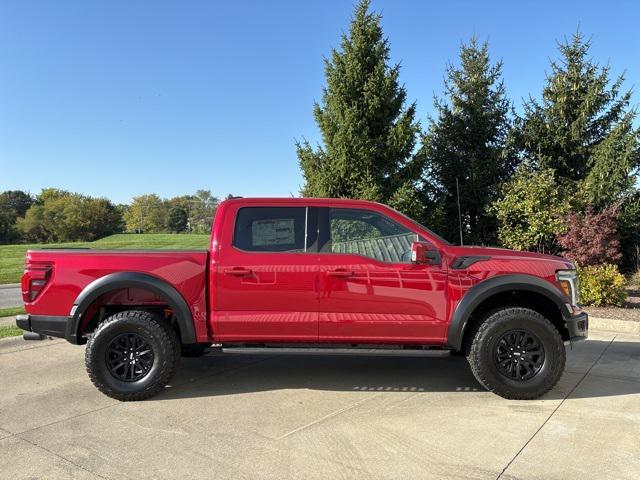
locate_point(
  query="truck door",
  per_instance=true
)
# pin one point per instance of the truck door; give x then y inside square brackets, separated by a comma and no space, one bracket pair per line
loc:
[370,292]
[266,278]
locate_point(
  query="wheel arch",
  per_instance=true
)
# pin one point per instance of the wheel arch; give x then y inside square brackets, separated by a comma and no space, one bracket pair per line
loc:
[507,290]
[122,280]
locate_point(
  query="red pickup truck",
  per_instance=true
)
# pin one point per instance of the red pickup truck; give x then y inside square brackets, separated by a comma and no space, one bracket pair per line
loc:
[307,272]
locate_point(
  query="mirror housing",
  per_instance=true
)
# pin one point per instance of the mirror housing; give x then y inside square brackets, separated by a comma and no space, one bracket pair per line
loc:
[424,253]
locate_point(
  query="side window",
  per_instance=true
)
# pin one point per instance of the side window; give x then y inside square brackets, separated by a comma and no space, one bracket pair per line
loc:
[274,229]
[370,234]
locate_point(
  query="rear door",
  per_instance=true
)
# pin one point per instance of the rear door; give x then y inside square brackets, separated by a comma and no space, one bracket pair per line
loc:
[370,292]
[266,288]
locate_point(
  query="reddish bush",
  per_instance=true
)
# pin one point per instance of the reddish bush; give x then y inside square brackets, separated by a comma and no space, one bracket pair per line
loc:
[591,238]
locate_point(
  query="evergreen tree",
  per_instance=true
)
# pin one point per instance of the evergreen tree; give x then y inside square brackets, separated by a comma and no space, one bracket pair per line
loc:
[468,142]
[368,134]
[582,128]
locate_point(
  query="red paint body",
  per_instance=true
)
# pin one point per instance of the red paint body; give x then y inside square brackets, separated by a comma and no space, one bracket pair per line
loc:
[238,296]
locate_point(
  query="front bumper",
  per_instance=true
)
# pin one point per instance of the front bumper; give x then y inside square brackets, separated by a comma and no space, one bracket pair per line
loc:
[51,326]
[578,326]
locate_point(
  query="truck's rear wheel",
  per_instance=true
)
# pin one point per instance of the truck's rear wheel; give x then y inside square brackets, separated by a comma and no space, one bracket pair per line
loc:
[517,353]
[132,355]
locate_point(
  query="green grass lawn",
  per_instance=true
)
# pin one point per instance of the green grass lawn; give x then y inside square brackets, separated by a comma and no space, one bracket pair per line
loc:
[10,331]
[12,256]
[11,311]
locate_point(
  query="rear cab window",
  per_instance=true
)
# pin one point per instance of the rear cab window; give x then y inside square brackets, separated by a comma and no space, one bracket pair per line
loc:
[276,229]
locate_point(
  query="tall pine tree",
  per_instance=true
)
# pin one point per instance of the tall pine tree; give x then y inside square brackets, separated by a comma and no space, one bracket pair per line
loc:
[368,135]
[468,142]
[582,128]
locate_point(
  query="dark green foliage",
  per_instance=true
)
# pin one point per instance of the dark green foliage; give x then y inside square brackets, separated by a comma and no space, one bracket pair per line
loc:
[368,134]
[61,216]
[582,128]
[629,230]
[469,141]
[13,204]
[177,219]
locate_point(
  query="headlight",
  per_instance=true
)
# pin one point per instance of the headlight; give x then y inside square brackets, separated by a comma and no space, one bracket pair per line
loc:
[568,281]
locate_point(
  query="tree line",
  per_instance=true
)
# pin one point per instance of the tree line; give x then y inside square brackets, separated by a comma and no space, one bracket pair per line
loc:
[60,216]
[559,177]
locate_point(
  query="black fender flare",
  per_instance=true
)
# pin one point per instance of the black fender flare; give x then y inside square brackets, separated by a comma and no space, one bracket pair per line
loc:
[494,285]
[114,281]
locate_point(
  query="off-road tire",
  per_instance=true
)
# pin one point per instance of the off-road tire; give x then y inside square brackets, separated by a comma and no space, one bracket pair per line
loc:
[482,351]
[160,338]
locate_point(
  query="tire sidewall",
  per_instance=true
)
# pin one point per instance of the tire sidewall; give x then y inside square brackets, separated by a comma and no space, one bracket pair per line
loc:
[545,333]
[101,341]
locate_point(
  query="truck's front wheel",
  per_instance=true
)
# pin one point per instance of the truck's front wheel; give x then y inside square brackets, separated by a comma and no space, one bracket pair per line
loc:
[517,353]
[132,355]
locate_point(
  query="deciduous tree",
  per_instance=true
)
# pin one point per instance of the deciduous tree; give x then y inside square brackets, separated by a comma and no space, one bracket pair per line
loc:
[530,211]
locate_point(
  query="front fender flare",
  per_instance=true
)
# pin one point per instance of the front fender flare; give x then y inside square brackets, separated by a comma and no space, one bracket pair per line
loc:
[494,285]
[119,280]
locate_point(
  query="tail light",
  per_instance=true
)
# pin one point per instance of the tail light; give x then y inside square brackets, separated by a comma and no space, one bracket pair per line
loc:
[34,279]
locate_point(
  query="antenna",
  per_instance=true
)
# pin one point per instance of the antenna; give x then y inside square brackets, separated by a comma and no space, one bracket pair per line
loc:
[459,211]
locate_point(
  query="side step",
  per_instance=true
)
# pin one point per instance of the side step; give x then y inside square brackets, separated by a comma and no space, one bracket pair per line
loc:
[359,351]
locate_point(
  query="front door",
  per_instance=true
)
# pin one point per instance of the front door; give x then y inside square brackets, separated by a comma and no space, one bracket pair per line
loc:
[266,277]
[370,292]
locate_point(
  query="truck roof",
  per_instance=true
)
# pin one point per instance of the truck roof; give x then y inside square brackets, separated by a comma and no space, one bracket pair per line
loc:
[302,200]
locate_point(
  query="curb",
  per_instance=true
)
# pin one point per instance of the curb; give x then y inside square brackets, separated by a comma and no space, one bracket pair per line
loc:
[611,325]
[9,285]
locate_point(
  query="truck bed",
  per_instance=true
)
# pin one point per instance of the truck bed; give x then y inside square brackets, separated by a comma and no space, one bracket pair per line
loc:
[71,270]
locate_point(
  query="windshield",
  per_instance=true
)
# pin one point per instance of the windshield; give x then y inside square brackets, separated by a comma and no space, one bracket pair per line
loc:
[435,235]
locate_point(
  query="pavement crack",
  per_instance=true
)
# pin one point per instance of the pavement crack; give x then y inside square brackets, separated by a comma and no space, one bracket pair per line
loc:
[555,409]
[73,417]
[65,459]
[326,417]
[35,347]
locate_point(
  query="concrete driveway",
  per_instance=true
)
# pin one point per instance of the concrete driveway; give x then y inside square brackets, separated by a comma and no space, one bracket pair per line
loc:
[297,416]
[10,296]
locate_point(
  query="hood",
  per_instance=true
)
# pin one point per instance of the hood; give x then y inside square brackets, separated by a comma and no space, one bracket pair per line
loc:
[505,253]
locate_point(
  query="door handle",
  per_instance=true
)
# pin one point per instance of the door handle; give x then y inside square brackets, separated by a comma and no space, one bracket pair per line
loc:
[340,273]
[238,272]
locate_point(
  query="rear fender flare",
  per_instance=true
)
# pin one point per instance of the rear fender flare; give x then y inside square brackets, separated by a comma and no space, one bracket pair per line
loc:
[119,280]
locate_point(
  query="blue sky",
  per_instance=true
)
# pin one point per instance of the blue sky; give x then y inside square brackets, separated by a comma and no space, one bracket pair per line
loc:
[120,98]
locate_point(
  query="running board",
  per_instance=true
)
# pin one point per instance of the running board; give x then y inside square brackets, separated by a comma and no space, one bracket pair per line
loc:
[324,350]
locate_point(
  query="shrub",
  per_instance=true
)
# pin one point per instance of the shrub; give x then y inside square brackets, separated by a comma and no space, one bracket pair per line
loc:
[591,238]
[601,285]
[530,210]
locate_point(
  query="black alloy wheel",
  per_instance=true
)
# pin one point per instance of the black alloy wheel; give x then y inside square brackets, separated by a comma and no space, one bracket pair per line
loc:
[519,355]
[129,357]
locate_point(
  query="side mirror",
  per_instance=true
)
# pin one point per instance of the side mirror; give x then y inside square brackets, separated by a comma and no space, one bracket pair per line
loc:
[424,253]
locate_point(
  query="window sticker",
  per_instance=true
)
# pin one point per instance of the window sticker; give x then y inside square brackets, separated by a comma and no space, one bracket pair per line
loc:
[273,232]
